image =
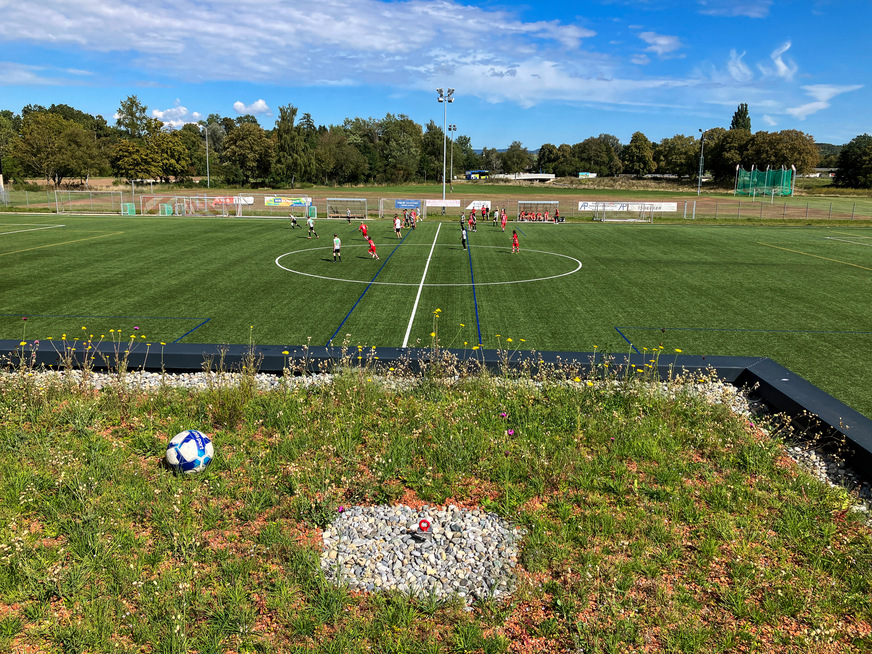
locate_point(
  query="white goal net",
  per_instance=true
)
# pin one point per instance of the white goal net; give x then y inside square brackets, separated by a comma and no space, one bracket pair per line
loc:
[88,201]
[348,208]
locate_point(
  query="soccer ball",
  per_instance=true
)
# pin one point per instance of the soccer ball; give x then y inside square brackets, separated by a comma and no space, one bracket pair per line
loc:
[190,451]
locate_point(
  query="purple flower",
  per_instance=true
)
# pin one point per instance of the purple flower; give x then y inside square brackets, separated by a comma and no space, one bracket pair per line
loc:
[511,432]
[136,328]
[24,318]
[341,509]
[36,342]
[503,414]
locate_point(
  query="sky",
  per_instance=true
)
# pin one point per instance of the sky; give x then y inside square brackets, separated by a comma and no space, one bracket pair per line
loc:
[538,72]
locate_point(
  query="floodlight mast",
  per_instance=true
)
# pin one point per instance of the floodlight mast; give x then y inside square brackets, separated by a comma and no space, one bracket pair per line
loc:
[701,161]
[208,178]
[453,130]
[444,98]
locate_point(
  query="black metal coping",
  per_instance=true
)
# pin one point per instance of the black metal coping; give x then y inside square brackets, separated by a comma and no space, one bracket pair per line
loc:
[781,389]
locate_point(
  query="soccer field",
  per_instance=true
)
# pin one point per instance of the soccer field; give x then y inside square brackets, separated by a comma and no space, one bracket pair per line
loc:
[800,295]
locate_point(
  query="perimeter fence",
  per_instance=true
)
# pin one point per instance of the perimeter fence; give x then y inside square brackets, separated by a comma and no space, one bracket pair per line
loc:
[580,208]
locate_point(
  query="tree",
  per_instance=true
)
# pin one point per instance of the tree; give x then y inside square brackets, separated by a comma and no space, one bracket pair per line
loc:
[132,160]
[596,154]
[677,155]
[854,167]
[399,147]
[516,159]
[741,118]
[171,155]
[133,119]
[81,155]
[40,149]
[248,151]
[293,158]
[724,150]
[786,148]
[547,158]
[639,155]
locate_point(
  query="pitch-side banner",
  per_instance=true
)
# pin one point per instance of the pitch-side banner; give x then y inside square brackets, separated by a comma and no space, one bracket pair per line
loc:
[478,204]
[233,199]
[407,204]
[443,203]
[281,201]
[628,206]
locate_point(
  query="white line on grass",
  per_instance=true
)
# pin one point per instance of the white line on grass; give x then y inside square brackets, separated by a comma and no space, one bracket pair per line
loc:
[420,288]
[35,229]
[844,240]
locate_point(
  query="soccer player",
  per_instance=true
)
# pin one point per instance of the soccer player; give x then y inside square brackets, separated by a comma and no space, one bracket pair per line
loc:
[336,245]
[311,224]
[463,236]
[405,217]
[372,253]
[556,216]
[505,217]
[348,215]
[397,225]
[362,228]
[515,246]
[294,221]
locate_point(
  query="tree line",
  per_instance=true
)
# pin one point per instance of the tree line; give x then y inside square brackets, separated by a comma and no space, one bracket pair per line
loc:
[63,144]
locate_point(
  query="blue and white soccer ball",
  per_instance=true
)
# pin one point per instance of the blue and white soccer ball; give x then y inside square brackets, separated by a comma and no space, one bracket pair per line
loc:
[190,451]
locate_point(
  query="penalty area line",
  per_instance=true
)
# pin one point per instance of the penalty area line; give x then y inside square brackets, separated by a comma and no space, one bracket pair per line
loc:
[420,288]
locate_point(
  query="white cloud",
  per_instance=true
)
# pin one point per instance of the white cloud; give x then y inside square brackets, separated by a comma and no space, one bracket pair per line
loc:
[259,107]
[640,59]
[783,69]
[176,116]
[822,93]
[662,45]
[746,8]
[737,68]
[769,120]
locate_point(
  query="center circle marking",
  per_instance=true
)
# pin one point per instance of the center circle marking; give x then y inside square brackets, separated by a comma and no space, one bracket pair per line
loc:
[367,282]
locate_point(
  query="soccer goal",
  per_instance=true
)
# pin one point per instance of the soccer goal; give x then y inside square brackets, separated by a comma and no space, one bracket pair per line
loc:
[626,212]
[195,205]
[353,208]
[88,201]
[547,211]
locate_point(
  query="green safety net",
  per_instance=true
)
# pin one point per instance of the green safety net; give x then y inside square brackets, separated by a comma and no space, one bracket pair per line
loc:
[764,182]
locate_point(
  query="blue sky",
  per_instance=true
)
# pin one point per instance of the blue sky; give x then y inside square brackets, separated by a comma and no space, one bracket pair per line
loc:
[545,72]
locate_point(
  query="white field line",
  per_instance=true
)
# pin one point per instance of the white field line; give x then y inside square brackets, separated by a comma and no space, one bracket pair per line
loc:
[843,240]
[421,288]
[35,229]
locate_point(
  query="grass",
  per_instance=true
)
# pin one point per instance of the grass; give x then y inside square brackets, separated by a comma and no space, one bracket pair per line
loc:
[795,294]
[655,521]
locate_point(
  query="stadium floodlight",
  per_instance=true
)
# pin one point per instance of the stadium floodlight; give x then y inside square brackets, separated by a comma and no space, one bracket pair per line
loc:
[701,161]
[445,98]
[453,130]
[208,178]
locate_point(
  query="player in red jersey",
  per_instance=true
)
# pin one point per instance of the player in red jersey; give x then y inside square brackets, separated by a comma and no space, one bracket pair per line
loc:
[504,219]
[363,228]
[372,253]
[515,246]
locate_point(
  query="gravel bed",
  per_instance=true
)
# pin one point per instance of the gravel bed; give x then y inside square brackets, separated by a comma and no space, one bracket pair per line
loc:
[468,553]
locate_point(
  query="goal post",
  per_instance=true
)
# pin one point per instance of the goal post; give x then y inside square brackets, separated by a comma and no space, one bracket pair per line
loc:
[626,212]
[539,211]
[196,205]
[88,201]
[348,208]
[388,207]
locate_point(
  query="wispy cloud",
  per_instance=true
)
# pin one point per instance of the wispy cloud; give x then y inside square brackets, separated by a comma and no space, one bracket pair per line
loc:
[822,94]
[737,68]
[746,8]
[783,69]
[257,108]
[769,120]
[662,45]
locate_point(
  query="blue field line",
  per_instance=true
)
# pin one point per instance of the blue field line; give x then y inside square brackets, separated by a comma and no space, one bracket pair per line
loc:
[520,230]
[63,315]
[628,340]
[368,286]
[474,300]
[763,331]
[192,330]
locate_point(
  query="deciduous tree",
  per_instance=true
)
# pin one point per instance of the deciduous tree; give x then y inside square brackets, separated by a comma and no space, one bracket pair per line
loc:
[854,168]
[249,151]
[639,155]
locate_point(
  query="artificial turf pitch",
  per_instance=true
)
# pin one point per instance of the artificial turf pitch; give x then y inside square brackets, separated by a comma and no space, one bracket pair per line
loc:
[799,295]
